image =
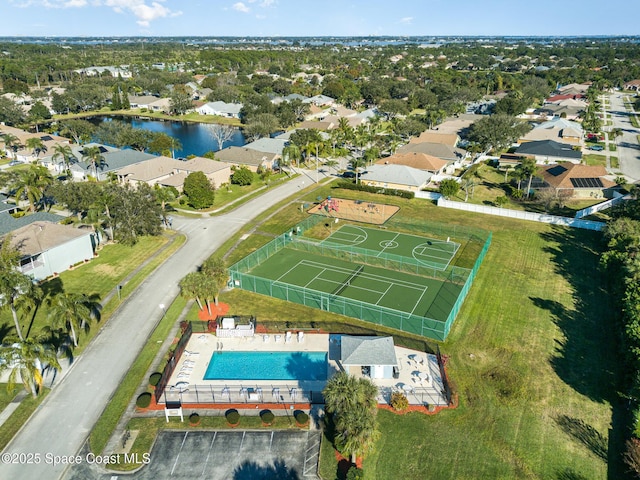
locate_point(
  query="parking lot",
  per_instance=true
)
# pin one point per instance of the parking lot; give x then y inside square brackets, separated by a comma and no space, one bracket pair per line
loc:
[222,455]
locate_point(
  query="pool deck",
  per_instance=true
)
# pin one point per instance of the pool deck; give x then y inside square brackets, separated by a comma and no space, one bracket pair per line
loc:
[188,386]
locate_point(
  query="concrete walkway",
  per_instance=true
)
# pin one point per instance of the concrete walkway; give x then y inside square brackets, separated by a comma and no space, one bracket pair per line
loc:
[60,426]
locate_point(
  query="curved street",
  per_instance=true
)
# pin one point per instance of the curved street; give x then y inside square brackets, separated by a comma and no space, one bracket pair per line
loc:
[61,424]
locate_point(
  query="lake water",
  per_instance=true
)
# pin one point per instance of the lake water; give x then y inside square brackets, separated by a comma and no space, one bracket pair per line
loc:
[195,138]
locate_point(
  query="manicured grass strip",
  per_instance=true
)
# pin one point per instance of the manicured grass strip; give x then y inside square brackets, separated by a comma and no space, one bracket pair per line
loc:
[5,396]
[19,417]
[593,159]
[612,147]
[615,163]
[108,421]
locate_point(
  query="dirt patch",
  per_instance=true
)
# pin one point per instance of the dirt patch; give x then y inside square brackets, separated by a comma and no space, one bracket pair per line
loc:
[356,210]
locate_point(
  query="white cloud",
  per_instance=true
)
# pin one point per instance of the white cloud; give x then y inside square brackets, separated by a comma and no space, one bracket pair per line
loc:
[267,3]
[241,7]
[406,20]
[142,10]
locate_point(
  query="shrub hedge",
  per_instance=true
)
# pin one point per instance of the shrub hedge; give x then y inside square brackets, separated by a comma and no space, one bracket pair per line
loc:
[144,400]
[370,189]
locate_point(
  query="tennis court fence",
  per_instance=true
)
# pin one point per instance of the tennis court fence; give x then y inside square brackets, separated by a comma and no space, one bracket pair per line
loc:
[425,326]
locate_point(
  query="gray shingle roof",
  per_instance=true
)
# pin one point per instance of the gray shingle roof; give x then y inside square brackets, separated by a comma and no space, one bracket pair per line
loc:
[397,174]
[363,350]
[9,224]
[549,148]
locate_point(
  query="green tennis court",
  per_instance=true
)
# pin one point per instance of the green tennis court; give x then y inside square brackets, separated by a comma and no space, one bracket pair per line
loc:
[427,251]
[386,288]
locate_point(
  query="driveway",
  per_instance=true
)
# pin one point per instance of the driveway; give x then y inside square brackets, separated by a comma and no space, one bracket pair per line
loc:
[60,426]
[222,455]
[628,150]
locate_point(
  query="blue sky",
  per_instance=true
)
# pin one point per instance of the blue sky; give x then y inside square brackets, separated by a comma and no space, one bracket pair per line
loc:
[315,18]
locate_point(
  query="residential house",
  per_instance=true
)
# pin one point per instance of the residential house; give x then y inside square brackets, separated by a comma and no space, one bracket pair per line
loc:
[549,151]
[421,161]
[632,85]
[368,356]
[112,161]
[574,89]
[557,129]
[122,71]
[243,156]
[5,206]
[167,171]
[320,100]
[453,156]
[221,109]
[154,104]
[398,177]
[578,181]
[49,248]
[26,155]
[273,146]
[429,136]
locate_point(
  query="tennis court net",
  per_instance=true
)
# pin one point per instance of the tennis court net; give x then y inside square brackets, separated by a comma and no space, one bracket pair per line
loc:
[355,273]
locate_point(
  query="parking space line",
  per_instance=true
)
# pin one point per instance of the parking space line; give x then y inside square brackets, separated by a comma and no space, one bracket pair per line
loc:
[206,461]
[179,451]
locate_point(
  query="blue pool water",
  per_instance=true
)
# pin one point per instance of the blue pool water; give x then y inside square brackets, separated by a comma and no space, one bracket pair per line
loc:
[267,366]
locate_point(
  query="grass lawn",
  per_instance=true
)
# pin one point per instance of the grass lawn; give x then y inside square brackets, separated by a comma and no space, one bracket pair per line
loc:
[612,147]
[528,356]
[593,159]
[20,416]
[114,263]
[5,396]
[615,163]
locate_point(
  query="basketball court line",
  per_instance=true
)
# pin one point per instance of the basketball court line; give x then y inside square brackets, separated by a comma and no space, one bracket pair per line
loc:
[388,243]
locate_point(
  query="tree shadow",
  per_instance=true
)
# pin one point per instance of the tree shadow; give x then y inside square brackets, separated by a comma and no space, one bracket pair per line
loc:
[585,434]
[250,470]
[301,366]
[5,328]
[584,357]
[569,474]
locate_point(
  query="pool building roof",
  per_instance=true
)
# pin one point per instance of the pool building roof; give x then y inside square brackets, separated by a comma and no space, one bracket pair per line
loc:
[367,350]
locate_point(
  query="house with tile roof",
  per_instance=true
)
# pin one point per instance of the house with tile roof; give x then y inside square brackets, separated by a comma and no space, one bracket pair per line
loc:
[399,177]
[27,155]
[578,181]
[169,172]
[421,161]
[453,156]
[549,151]
[429,136]
[243,156]
[632,85]
[49,248]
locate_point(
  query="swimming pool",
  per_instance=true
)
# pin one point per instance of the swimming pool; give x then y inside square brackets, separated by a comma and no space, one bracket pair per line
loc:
[267,366]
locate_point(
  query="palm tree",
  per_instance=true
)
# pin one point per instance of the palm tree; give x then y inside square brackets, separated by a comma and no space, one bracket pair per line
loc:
[330,163]
[529,169]
[64,153]
[31,184]
[74,312]
[27,360]
[291,153]
[216,269]
[191,287]
[94,157]
[17,291]
[352,403]
[11,142]
[468,183]
[36,145]
[357,164]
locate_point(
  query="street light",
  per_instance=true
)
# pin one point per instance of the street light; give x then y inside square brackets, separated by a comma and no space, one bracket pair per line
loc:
[164,310]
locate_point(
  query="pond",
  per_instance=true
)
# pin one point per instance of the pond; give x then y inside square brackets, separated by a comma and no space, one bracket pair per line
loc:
[196,138]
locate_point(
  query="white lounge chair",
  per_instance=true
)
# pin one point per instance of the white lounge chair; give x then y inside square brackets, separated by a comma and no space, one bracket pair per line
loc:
[187,369]
[287,337]
[184,374]
[300,337]
[265,338]
[277,338]
[191,354]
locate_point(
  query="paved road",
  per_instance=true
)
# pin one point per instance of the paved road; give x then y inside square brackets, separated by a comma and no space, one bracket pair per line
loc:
[61,424]
[628,151]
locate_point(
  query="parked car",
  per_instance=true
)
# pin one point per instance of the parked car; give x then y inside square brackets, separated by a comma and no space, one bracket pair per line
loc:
[597,148]
[13,163]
